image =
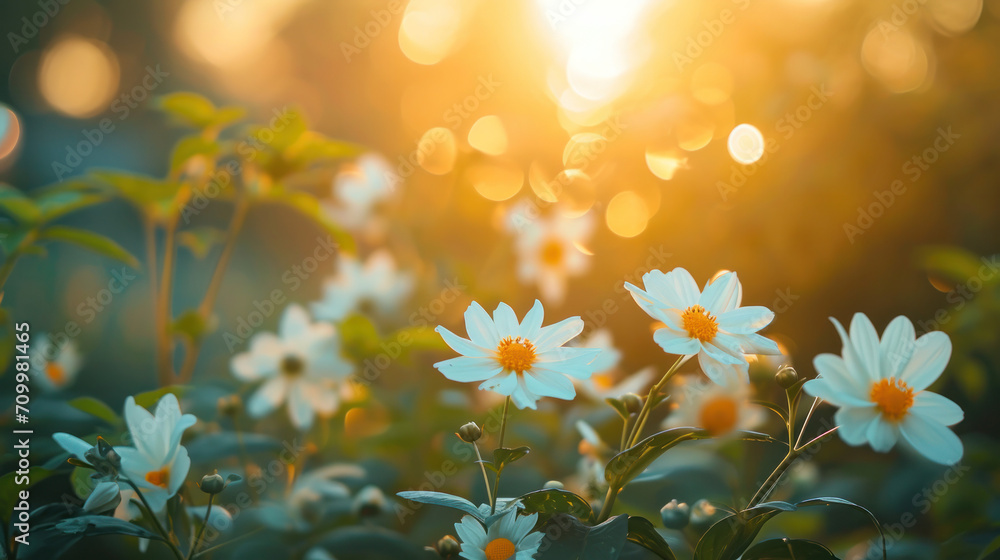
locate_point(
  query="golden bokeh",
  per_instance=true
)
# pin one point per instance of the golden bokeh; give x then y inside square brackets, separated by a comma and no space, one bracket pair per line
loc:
[627,214]
[436,151]
[78,76]
[488,135]
[496,180]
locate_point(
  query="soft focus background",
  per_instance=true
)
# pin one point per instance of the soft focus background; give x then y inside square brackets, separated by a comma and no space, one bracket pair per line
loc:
[876,191]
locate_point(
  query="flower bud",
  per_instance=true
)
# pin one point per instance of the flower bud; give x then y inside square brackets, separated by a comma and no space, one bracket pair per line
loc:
[675,515]
[786,377]
[448,546]
[702,512]
[104,459]
[553,485]
[370,501]
[212,483]
[230,405]
[105,497]
[633,402]
[470,432]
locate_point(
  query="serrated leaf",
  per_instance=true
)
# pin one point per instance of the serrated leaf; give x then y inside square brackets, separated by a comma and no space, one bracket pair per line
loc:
[96,409]
[628,464]
[505,456]
[89,240]
[442,499]
[642,532]
[788,549]
[551,501]
[16,204]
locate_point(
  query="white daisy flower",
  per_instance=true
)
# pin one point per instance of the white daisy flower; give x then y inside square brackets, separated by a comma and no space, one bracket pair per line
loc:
[158,464]
[548,249]
[360,187]
[376,282]
[605,382]
[523,361]
[720,409]
[314,496]
[708,323]
[301,365]
[880,387]
[508,538]
[54,367]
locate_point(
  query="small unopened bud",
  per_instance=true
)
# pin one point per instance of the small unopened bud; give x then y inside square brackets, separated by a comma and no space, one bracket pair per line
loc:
[448,546]
[104,459]
[786,377]
[702,512]
[470,432]
[633,402]
[230,405]
[212,483]
[675,515]
[553,485]
[105,497]
[369,502]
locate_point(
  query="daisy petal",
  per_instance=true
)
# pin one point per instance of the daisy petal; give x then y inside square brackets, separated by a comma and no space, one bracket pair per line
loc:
[745,320]
[933,350]
[676,288]
[532,323]
[866,343]
[549,384]
[506,321]
[465,369]
[267,398]
[294,322]
[480,325]
[462,345]
[848,387]
[720,373]
[896,347]
[558,334]
[300,410]
[932,439]
[854,422]
[940,409]
[676,342]
[882,435]
[719,293]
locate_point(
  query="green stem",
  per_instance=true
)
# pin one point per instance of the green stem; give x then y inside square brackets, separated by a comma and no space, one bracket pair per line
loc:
[148,511]
[625,433]
[503,421]
[486,479]
[201,530]
[790,458]
[609,502]
[640,421]
[164,299]
[496,479]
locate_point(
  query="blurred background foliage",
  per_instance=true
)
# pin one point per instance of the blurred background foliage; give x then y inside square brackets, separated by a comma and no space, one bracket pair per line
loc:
[478,105]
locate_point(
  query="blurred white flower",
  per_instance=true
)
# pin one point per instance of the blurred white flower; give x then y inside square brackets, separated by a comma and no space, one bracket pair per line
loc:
[880,385]
[376,282]
[360,187]
[548,249]
[720,409]
[710,324]
[605,382]
[312,497]
[54,368]
[524,361]
[301,366]
[508,538]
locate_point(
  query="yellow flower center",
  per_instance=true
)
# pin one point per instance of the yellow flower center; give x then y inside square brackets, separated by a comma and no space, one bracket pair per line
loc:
[159,478]
[55,373]
[893,397]
[516,354]
[718,415]
[699,323]
[500,549]
[292,366]
[552,253]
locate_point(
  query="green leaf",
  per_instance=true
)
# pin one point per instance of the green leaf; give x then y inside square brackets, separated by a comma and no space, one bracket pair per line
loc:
[196,111]
[730,536]
[201,240]
[93,525]
[11,485]
[619,407]
[56,204]
[147,193]
[309,206]
[951,263]
[312,147]
[788,549]
[553,500]
[150,398]
[97,409]
[359,336]
[990,549]
[442,499]
[568,539]
[89,240]
[831,501]
[192,325]
[17,205]
[644,534]
[505,456]
[772,407]
[628,464]
[188,148]
[412,339]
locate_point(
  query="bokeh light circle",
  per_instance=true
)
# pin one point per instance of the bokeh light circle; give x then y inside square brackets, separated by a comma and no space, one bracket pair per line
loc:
[746,144]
